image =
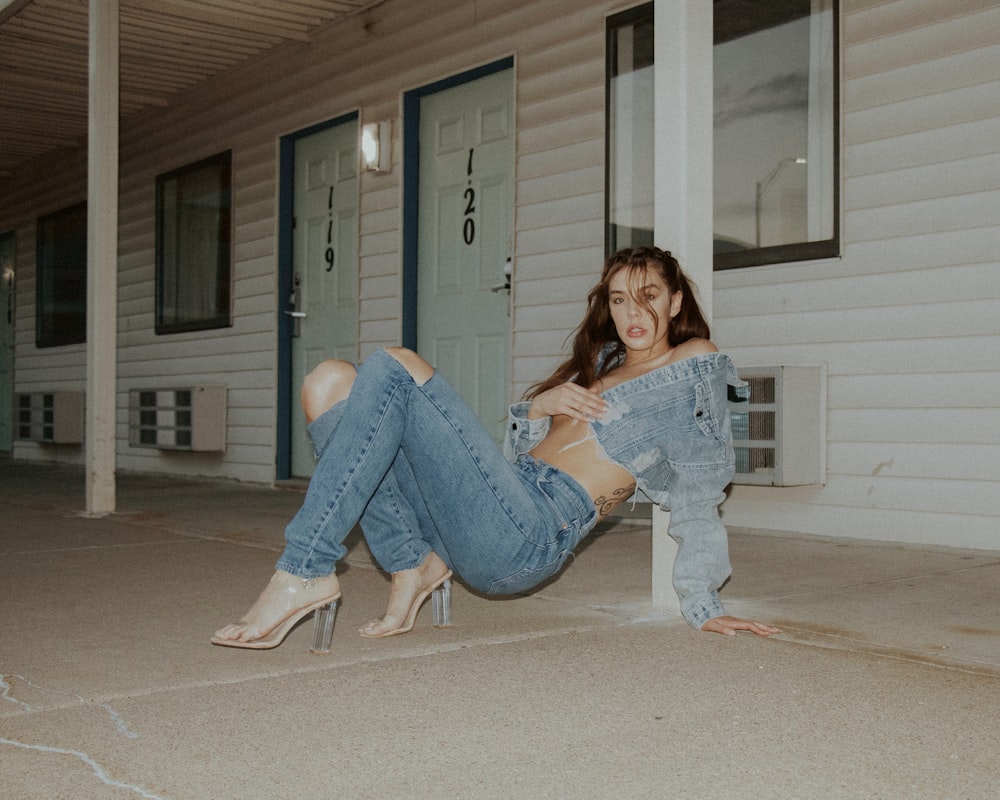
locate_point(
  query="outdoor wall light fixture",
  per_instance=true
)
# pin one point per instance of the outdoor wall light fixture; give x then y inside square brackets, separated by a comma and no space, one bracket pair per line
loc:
[375,146]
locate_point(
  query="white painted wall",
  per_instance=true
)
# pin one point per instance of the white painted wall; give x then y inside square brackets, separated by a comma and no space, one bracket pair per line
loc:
[36,193]
[559,56]
[906,320]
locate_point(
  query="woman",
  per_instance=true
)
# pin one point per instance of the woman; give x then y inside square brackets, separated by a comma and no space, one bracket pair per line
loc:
[641,403]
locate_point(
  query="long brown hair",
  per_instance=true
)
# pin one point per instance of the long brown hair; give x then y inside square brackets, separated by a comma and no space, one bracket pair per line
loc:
[598,328]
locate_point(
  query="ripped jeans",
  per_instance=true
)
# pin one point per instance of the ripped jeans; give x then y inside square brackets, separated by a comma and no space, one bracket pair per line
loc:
[417,468]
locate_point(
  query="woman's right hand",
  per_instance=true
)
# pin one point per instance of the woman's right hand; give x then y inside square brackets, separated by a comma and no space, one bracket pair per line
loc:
[576,402]
[728,625]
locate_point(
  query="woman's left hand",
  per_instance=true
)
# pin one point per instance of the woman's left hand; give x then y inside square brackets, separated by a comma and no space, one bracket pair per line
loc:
[728,626]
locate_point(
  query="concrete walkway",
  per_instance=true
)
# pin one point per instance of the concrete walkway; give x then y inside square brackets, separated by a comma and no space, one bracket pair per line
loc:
[885,683]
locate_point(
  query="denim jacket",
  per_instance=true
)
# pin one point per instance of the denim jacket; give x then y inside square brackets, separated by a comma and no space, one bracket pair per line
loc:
[670,429]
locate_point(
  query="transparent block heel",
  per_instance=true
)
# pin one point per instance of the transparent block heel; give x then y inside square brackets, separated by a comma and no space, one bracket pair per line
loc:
[323,621]
[441,604]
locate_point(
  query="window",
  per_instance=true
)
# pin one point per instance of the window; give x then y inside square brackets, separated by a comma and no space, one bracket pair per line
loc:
[61,293]
[774,138]
[629,123]
[775,131]
[194,246]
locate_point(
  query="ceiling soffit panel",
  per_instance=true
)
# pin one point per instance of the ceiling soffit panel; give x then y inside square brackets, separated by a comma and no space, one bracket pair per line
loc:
[166,47]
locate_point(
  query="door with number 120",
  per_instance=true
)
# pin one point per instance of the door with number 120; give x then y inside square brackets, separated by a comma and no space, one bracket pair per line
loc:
[465,234]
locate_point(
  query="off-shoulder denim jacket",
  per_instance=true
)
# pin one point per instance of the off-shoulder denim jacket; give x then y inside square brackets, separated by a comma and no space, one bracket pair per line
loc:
[670,429]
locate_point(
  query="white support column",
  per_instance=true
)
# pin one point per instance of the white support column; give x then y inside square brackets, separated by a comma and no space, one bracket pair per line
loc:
[102,256]
[683,187]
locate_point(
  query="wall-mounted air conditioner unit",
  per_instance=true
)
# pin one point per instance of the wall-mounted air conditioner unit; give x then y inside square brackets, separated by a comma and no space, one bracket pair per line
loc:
[192,418]
[780,434]
[50,417]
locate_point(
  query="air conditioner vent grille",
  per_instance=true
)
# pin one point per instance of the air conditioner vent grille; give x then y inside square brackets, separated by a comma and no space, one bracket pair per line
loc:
[778,434]
[50,417]
[761,388]
[191,418]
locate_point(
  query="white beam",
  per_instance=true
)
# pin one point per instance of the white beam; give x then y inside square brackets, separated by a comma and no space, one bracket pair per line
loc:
[102,256]
[683,186]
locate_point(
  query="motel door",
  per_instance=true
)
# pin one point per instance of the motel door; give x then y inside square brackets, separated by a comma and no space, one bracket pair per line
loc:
[6,340]
[324,265]
[465,239]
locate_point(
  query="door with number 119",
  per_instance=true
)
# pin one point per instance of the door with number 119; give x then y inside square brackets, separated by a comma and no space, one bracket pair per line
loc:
[324,287]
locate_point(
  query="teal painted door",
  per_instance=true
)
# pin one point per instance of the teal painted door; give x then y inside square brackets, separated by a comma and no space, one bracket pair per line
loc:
[465,239]
[324,263]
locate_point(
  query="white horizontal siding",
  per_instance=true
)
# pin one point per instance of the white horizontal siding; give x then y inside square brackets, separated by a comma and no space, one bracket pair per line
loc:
[846,289]
[943,109]
[975,175]
[560,199]
[960,462]
[960,70]
[560,83]
[754,507]
[888,493]
[951,390]
[889,35]
[958,212]
[940,145]
[908,320]
[45,369]
[916,426]
[869,358]
[885,325]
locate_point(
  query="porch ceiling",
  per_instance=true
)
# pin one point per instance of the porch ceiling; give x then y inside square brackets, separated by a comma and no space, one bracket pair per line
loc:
[166,47]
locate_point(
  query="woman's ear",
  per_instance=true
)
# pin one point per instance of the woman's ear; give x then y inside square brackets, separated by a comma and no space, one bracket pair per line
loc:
[675,303]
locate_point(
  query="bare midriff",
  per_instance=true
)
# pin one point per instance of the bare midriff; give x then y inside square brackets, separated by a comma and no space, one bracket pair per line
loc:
[572,447]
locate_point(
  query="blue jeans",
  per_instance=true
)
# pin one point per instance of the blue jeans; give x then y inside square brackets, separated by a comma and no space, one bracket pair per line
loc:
[417,468]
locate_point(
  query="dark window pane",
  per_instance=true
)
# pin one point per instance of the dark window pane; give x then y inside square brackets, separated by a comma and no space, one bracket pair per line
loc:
[194,246]
[61,295]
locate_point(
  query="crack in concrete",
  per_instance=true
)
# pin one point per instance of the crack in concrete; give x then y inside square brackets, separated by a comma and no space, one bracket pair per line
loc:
[98,770]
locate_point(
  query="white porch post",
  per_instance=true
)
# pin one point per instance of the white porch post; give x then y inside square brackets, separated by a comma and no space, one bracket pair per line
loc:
[683,186]
[102,256]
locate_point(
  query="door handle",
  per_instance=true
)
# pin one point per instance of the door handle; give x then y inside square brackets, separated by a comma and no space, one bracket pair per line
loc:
[297,317]
[505,286]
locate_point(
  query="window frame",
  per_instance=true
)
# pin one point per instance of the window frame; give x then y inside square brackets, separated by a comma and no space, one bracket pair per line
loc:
[223,316]
[807,250]
[614,22]
[756,256]
[60,253]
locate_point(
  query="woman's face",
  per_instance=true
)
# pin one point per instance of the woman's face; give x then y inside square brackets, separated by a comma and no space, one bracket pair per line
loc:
[631,296]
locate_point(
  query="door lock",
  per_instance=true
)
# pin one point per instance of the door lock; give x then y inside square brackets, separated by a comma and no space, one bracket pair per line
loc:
[505,286]
[295,301]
